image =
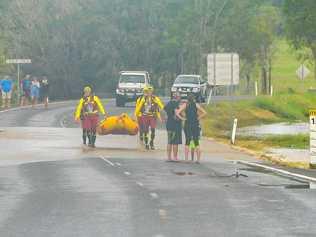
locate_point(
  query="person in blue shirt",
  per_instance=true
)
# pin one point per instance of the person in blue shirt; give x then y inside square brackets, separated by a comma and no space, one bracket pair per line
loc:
[6,91]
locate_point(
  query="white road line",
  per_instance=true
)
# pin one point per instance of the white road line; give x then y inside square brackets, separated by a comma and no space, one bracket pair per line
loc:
[36,106]
[127,173]
[279,171]
[140,184]
[154,195]
[118,164]
[107,161]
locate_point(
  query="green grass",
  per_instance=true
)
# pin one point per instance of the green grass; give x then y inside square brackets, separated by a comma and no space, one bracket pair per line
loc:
[284,66]
[299,141]
[262,110]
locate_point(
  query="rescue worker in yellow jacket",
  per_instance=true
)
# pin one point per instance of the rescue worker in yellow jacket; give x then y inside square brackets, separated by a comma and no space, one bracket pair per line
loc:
[148,110]
[138,114]
[88,110]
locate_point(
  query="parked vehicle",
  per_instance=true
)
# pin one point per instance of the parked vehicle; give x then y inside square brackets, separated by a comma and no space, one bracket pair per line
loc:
[186,84]
[130,86]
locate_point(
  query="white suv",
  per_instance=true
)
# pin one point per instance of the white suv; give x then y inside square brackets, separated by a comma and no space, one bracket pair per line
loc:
[130,86]
[190,84]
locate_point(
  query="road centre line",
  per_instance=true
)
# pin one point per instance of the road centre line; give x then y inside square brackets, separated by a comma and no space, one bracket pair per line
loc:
[279,171]
[140,184]
[107,161]
[154,195]
[127,173]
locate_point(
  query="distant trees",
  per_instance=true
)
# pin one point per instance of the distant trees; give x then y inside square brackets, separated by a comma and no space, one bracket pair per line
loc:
[78,42]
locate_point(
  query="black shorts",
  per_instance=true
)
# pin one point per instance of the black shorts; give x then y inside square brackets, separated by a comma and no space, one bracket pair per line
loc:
[174,137]
[192,134]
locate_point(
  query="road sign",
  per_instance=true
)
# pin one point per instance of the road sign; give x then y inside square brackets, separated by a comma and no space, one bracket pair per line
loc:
[18,61]
[312,122]
[302,72]
[223,69]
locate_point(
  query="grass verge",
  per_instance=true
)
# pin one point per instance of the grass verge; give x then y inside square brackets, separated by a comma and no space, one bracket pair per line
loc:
[287,107]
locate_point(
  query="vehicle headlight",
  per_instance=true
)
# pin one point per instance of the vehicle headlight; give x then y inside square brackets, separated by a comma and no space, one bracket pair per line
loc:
[173,89]
[195,89]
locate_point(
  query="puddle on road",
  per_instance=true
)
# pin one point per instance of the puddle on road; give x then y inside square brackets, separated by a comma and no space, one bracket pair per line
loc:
[257,170]
[275,129]
[183,173]
[298,185]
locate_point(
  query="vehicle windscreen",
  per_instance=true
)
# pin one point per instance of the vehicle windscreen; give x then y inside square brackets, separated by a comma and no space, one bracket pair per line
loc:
[132,79]
[187,80]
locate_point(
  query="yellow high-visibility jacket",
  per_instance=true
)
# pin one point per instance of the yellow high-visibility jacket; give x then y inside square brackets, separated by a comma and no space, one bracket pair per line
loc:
[97,108]
[136,106]
[141,101]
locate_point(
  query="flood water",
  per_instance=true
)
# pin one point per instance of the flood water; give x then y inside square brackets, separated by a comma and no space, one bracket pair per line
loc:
[275,129]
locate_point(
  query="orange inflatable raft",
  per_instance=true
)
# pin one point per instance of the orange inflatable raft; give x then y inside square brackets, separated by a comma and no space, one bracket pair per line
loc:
[118,125]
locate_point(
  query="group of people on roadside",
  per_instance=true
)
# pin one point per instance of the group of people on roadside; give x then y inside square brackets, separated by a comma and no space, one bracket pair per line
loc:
[182,115]
[33,89]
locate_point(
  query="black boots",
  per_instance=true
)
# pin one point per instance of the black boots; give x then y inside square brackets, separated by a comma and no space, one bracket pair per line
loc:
[152,138]
[92,138]
[84,136]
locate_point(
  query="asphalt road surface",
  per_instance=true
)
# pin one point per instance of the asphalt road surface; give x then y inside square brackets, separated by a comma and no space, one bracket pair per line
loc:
[52,186]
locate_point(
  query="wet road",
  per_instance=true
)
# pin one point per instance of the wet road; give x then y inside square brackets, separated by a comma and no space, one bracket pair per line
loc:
[51,186]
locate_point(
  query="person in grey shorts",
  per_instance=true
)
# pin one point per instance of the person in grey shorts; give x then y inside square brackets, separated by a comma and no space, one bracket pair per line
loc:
[174,127]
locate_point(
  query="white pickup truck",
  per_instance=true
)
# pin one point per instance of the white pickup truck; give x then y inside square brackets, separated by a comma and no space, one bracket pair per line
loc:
[130,86]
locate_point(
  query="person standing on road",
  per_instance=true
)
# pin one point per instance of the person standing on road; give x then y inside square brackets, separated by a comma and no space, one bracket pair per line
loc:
[173,126]
[45,91]
[26,90]
[149,107]
[6,92]
[35,91]
[192,130]
[88,111]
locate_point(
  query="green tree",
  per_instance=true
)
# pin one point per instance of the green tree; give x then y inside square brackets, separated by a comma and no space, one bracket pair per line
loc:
[300,24]
[267,22]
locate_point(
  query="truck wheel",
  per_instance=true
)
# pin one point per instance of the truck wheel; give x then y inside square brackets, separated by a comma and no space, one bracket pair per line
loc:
[199,98]
[203,99]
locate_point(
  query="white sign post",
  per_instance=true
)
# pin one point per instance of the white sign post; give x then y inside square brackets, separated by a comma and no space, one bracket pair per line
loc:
[233,138]
[312,122]
[18,62]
